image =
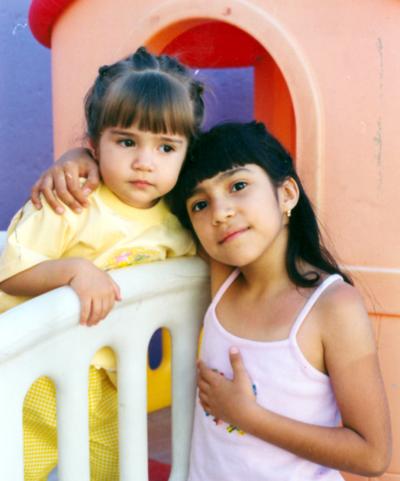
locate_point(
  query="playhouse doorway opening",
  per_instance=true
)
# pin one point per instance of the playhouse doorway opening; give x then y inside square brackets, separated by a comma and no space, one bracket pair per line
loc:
[242,79]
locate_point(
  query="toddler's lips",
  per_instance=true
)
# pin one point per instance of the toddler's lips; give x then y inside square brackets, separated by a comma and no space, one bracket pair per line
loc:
[140,184]
[229,236]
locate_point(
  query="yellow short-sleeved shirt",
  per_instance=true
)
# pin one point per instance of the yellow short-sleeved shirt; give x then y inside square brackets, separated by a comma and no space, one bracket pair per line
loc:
[109,233]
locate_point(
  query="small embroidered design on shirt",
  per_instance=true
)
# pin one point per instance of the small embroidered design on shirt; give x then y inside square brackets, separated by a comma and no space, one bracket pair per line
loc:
[129,257]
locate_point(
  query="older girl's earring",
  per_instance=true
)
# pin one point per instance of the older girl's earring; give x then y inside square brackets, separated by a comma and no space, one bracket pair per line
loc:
[289,213]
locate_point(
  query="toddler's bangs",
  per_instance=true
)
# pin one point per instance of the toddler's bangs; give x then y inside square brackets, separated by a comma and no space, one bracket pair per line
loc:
[152,101]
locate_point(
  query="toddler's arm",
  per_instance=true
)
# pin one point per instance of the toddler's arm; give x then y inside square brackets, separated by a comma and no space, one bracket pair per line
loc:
[61,181]
[362,445]
[96,290]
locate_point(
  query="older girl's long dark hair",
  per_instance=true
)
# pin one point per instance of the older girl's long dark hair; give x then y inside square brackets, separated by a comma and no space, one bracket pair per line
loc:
[234,144]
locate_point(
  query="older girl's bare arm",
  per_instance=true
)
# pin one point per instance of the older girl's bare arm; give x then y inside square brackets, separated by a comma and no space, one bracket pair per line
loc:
[362,445]
[61,181]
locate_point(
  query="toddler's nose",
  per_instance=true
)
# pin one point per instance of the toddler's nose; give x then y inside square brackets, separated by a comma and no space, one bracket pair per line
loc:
[143,160]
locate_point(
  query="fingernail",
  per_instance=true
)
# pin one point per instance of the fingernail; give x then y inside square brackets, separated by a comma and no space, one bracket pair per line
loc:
[86,192]
[59,210]
[234,350]
[78,210]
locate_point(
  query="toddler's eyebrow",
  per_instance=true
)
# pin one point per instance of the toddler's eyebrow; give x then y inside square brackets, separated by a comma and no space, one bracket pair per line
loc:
[121,132]
[163,138]
[173,140]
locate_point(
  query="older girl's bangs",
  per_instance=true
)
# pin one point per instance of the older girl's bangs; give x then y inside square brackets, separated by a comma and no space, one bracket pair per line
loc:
[152,101]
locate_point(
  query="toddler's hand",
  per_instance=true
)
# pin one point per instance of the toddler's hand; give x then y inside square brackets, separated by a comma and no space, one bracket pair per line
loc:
[225,399]
[96,290]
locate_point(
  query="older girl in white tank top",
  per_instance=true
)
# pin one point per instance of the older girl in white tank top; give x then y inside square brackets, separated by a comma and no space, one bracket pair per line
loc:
[289,381]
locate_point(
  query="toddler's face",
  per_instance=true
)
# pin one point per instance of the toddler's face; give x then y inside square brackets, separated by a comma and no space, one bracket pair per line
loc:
[138,166]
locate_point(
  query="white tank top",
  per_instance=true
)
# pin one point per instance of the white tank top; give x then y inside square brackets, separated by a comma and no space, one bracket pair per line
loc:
[284,382]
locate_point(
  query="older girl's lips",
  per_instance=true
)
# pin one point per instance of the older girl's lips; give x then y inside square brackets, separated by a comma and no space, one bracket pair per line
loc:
[231,235]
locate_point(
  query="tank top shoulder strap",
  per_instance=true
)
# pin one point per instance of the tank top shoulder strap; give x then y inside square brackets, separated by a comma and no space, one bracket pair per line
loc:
[225,285]
[311,302]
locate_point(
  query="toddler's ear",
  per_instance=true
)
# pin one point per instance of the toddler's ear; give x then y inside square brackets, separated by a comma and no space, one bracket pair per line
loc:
[92,148]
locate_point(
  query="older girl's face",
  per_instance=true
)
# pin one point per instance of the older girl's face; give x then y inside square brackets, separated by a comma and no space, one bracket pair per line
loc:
[138,166]
[238,215]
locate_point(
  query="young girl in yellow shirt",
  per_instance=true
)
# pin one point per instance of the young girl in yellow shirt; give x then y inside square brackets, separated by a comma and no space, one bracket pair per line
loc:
[141,114]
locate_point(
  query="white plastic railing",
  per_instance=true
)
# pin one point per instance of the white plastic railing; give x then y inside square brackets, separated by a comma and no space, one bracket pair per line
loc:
[42,338]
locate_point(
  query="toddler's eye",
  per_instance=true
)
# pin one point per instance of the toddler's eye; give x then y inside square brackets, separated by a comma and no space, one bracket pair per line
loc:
[126,142]
[239,186]
[166,148]
[198,206]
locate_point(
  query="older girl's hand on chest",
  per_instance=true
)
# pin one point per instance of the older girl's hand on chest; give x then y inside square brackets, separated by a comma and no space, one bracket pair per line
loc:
[229,400]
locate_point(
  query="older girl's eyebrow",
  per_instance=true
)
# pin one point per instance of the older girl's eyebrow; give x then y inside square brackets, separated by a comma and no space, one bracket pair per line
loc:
[231,172]
[220,177]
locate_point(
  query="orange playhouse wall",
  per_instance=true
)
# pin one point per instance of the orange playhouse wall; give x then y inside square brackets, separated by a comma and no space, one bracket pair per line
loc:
[326,81]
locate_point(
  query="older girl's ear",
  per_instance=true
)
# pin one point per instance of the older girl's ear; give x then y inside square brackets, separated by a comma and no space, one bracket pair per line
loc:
[288,195]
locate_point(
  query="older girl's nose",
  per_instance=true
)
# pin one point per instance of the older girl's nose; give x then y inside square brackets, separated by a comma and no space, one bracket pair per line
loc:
[222,212]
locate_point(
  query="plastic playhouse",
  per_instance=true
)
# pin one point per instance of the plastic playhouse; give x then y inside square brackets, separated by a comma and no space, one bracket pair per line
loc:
[324,77]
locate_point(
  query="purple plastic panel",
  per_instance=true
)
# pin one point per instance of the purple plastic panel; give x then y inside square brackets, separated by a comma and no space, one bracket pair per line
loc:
[25,108]
[229,94]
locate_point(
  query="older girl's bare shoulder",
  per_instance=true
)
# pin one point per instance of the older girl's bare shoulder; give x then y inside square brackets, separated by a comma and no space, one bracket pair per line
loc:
[342,314]
[341,297]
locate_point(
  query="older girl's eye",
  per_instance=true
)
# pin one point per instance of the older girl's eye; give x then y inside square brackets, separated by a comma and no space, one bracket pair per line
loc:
[126,142]
[198,206]
[239,186]
[166,148]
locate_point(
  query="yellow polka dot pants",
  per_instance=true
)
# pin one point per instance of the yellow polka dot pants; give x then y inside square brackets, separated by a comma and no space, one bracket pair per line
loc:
[40,430]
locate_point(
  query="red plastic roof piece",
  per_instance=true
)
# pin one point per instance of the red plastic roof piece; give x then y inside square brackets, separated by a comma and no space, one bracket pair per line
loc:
[43,14]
